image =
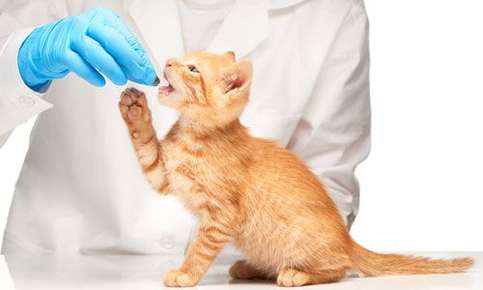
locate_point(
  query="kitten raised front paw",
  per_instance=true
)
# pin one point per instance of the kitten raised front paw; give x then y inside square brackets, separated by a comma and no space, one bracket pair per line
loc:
[135,112]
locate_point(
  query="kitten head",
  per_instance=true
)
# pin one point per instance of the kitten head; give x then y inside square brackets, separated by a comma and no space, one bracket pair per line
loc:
[208,89]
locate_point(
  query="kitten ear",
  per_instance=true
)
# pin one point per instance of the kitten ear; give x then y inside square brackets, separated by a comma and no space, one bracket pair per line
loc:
[230,55]
[237,79]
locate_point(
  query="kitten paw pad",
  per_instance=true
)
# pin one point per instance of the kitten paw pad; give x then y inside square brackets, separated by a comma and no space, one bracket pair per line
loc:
[133,106]
[179,279]
[135,112]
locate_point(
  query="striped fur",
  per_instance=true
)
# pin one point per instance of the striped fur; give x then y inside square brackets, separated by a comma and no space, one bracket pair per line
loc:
[247,190]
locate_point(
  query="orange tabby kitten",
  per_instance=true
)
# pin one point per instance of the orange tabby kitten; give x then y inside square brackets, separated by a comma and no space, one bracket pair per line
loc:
[247,190]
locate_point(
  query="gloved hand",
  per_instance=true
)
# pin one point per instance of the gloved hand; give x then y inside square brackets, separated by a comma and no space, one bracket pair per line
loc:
[93,44]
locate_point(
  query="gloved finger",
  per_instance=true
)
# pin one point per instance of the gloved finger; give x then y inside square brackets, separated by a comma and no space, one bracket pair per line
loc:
[116,45]
[149,75]
[79,66]
[92,52]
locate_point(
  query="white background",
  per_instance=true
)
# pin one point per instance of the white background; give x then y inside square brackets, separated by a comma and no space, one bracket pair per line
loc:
[421,187]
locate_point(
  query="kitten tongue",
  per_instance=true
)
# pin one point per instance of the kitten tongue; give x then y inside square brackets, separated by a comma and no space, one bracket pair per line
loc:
[166,90]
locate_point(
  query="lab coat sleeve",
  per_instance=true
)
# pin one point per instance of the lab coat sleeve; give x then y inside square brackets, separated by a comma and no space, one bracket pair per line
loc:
[3,138]
[333,136]
[17,19]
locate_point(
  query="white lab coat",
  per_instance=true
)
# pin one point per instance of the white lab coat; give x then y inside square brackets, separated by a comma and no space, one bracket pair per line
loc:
[81,189]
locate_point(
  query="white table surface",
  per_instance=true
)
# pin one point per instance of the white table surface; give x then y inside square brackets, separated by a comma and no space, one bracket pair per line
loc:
[145,272]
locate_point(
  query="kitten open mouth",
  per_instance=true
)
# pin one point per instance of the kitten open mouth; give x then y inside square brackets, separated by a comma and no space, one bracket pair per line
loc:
[166,90]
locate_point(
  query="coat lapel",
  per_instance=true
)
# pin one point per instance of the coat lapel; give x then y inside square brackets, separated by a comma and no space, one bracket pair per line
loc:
[245,27]
[159,25]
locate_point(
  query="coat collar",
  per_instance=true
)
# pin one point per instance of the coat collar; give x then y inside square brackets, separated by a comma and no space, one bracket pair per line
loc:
[159,25]
[273,4]
[245,27]
[279,4]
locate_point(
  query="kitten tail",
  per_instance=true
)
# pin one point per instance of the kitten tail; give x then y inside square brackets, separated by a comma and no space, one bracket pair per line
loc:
[375,264]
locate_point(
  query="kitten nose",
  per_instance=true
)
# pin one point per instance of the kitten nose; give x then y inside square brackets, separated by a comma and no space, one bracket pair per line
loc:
[169,63]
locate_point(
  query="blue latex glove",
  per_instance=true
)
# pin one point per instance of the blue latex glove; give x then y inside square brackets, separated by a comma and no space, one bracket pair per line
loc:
[93,44]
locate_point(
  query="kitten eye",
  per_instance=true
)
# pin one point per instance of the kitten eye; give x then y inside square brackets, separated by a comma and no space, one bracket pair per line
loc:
[193,68]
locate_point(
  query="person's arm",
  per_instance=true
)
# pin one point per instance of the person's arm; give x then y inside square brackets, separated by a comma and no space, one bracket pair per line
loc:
[333,136]
[94,45]
[17,20]
[18,102]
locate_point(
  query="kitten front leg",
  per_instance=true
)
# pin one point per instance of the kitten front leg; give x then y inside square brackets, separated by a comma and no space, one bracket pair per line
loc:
[137,116]
[211,239]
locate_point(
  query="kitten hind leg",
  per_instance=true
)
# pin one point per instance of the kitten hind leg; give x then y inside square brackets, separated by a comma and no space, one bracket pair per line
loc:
[293,278]
[242,270]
